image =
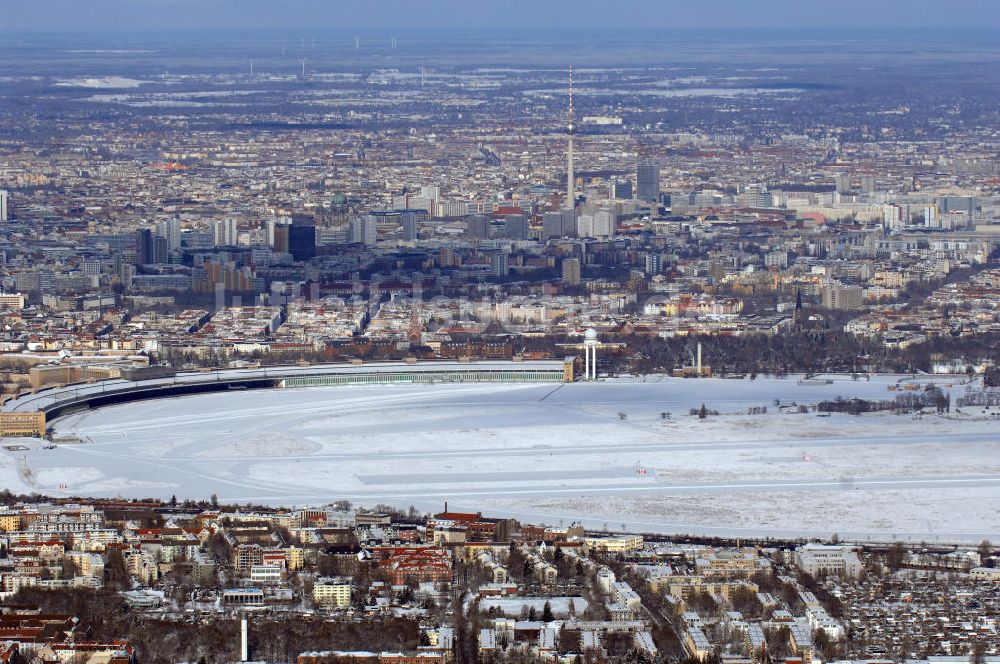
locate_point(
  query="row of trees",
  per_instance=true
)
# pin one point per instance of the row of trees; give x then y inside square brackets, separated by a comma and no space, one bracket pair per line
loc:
[104,615]
[903,403]
[794,351]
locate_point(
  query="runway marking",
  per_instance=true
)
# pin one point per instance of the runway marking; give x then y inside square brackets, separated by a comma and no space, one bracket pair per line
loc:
[748,486]
[549,394]
[652,447]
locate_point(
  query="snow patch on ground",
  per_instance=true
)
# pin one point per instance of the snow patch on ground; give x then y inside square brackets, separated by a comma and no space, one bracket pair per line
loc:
[620,450]
[101,82]
[512,606]
[260,445]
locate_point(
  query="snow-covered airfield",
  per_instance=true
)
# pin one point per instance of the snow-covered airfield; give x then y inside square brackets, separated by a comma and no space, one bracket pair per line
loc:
[600,453]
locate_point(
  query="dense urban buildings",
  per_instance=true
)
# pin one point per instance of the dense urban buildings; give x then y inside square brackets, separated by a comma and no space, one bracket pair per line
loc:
[460,586]
[413,221]
[705,322]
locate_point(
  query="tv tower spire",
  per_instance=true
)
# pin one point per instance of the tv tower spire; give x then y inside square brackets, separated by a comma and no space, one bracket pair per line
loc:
[570,129]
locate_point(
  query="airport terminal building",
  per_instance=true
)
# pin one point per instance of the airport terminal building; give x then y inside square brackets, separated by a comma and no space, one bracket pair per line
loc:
[59,400]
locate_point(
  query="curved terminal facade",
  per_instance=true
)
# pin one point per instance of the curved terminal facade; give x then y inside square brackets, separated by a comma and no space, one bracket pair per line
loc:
[55,402]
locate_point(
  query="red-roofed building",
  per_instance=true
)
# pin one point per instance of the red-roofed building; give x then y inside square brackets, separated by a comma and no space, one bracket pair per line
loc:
[503,211]
[478,529]
[85,652]
[29,630]
[418,563]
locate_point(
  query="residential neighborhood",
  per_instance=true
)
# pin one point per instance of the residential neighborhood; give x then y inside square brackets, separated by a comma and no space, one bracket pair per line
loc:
[450,581]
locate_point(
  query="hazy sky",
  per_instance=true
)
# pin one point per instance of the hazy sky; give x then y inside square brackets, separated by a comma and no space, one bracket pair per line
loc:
[91,15]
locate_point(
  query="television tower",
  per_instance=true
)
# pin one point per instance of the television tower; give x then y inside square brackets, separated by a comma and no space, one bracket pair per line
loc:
[570,129]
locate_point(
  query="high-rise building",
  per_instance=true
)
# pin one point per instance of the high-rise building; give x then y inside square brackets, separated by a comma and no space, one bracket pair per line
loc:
[431,193]
[963,206]
[170,229]
[452,208]
[551,225]
[559,224]
[894,217]
[412,202]
[409,219]
[842,296]
[144,246]
[516,227]
[599,224]
[958,204]
[843,183]
[302,241]
[868,184]
[478,227]
[571,271]
[647,179]
[777,258]
[499,262]
[270,225]
[931,218]
[568,222]
[161,250]
[653,263]
[605,223]
[224,233]
[364,230]
[621,190]
[755,196]
[4,198]
[226,275]
[46,281]
[280,244]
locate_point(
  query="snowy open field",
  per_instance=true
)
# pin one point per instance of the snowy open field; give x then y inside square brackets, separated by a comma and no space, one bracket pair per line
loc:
[550,453]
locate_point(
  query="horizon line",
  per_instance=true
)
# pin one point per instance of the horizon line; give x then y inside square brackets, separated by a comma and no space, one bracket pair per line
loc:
[410,29]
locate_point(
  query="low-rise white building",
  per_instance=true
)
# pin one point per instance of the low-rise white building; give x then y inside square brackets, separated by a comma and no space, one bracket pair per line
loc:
[822,559]
[332,592]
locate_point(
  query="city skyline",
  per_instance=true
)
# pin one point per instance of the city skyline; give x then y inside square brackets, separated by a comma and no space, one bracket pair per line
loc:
[454,333]
[314,15]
